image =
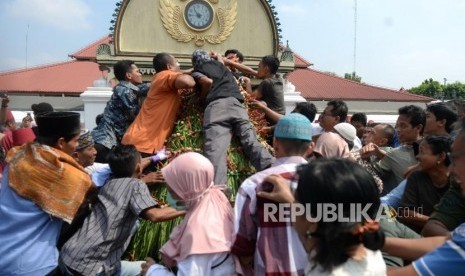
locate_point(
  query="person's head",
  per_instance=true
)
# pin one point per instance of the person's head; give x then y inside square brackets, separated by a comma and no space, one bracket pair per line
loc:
[383,135]
[199,57]
[334,113]
[125,162]
[410,123]
[439,119]
[339,182]
[165,61]
[234,55]
[347,132]
[432,153]
[268,67]
[457,157]
[41,109]
[307,109]
[59,130]
[126,70]
[293,136]
[85,153]
[459,106]
[359,121]
[368,134]
[188,177]
[98,118]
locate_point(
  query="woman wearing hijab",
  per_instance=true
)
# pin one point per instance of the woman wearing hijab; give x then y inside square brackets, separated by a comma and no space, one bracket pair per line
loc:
[200,245]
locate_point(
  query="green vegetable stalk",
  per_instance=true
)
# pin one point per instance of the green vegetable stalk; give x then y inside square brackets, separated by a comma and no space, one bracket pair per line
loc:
[186,137]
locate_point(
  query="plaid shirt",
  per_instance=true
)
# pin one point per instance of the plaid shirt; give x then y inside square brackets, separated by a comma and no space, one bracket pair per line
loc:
[120,112]
[275,246]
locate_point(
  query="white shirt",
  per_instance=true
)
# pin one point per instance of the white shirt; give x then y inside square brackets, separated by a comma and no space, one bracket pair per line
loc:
[199,265]
[372,265]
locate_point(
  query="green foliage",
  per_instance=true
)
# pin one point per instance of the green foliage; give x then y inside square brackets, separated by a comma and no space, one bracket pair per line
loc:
[435,89]
[429,88]
[186,137]
[454,90]
[352,76]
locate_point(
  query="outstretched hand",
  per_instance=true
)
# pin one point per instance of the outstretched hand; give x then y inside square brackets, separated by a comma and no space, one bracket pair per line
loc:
[153,178]
[281,192]
[369,150]
[145,266]
[257,104]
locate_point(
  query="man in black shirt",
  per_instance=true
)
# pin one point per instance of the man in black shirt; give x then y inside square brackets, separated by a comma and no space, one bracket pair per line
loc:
[224,114]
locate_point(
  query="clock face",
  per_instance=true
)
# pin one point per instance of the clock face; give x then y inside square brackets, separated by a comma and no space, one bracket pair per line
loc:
[198,15]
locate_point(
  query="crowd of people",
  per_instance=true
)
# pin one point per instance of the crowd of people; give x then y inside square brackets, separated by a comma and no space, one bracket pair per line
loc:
[71,198]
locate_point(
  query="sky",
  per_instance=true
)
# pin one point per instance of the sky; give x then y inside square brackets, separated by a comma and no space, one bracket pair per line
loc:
[398,43]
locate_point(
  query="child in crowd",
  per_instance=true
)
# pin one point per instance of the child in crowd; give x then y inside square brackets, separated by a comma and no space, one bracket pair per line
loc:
[101,241]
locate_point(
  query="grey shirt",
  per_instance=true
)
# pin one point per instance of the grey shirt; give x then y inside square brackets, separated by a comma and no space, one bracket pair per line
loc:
[273,94]
[106,232]
[394,164]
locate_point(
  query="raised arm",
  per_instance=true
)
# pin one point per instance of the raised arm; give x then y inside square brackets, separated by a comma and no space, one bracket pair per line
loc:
[241,67]
[184,81]
[5,101]
[271,115]
[205,86]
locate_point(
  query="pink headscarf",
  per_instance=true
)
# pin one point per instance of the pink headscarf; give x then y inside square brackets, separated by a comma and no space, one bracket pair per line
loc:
[208,224]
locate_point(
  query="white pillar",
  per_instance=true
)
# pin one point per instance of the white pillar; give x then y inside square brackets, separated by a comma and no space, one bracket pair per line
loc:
[95,99]
[291,97]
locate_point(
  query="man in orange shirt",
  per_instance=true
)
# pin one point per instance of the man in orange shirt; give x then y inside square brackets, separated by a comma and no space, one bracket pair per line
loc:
[157,116]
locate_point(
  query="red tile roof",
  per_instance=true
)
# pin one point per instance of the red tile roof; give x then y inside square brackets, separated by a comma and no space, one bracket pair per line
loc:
[90,52]
[72,77]
[317,85]
[300,62]
[67,77]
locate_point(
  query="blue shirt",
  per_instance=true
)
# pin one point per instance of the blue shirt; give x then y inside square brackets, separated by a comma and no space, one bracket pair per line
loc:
[448,259]
[395,195]
[120,112]
[28,235]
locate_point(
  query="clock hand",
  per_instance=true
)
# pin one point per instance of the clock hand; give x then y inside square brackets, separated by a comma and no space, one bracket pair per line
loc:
[197,12]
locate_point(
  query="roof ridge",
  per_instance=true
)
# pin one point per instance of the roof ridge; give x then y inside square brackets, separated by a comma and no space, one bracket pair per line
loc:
[303,59]
[83,49]
[366,84]
[37,67]
[308,63]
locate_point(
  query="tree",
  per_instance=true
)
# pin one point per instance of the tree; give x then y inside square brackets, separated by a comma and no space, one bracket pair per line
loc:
[352,76]
[454,90]
[435,89]
[429,88]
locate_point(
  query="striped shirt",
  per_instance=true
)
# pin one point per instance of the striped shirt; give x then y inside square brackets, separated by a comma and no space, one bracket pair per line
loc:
[275,245]
[448,259]
[106,232]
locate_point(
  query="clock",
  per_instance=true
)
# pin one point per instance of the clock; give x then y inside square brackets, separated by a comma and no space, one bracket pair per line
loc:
[198,15]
